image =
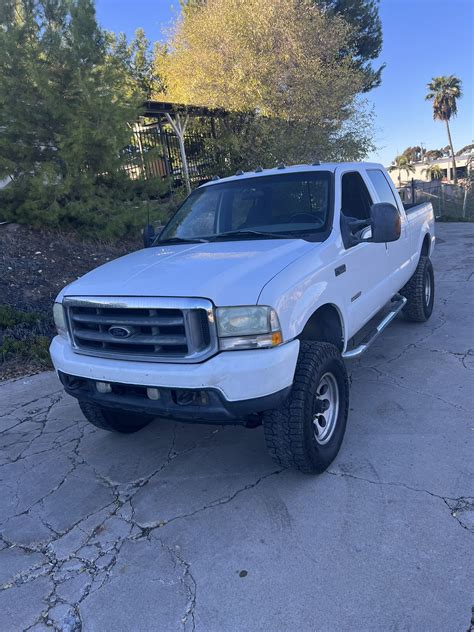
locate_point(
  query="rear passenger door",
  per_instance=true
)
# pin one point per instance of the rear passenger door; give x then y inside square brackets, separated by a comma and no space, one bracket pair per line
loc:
[366,264]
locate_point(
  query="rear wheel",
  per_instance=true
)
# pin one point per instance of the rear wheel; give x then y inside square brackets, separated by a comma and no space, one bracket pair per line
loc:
[112,420]
[419,292]
[306,432]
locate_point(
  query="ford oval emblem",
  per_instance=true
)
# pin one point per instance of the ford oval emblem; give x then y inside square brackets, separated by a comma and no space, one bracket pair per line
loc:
[119,332]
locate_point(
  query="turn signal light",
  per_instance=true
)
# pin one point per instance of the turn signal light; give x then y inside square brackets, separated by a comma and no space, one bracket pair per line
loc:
[277,338]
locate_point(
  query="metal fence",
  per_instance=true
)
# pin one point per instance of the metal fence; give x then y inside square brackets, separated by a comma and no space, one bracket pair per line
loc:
[448,200]
[154,152]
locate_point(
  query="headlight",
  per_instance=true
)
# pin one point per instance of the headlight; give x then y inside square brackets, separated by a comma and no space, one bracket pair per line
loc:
[252,327]
[59,319]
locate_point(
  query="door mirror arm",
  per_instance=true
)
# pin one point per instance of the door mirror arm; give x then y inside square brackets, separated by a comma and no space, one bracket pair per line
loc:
[150,234]
[351,230]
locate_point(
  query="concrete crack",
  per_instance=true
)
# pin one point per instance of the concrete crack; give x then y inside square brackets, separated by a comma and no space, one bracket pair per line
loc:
[455,505]
[212,505]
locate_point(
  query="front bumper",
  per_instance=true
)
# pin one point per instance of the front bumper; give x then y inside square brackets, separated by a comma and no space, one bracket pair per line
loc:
[233,376]
[203,406]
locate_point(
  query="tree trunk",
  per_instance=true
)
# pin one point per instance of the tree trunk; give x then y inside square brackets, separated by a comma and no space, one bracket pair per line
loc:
[179,129]
[455,177]
[464,202]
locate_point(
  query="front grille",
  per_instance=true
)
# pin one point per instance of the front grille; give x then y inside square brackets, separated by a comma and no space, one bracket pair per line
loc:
[147,329]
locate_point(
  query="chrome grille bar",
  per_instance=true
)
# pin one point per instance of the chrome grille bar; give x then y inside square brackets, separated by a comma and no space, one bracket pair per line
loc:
[101,319]
[142,328]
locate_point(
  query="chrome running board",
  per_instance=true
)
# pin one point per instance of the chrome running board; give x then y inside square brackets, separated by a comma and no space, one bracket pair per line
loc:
[396,309]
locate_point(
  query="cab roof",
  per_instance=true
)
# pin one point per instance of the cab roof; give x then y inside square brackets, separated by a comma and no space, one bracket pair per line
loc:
[282,169]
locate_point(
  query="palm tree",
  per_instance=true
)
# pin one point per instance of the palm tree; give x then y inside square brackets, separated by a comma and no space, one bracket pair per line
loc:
[434,172]
[444,91]
[402,163]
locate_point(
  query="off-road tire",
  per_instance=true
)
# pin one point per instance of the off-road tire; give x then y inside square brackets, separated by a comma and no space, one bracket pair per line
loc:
[289,430]
[112,420]
[418,309]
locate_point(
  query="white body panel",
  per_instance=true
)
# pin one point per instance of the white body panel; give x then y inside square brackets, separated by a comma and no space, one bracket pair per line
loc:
[238,375]
[229,273]
[294,276]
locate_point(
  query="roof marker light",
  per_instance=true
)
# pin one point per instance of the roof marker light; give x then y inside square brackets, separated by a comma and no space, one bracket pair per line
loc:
[281,165]
[259,169]
[239,172]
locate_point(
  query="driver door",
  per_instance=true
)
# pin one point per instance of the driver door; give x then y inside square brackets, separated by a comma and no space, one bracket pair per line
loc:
[366,264]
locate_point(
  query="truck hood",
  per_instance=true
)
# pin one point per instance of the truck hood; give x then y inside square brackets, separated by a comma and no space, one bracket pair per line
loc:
[228,273]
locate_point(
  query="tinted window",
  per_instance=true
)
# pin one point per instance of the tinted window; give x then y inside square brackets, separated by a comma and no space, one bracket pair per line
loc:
[293,202]
[384,192]
[356,200]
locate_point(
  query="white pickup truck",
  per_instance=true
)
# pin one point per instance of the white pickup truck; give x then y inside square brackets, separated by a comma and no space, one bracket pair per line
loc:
[244,308]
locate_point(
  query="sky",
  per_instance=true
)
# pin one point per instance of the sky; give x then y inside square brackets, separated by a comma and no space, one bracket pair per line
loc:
[422,39]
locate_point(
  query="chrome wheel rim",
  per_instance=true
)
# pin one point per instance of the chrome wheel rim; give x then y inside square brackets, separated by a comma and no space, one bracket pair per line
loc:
[427,289]
[326,408]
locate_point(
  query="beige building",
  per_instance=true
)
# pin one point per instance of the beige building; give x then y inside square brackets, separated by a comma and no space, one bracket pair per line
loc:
[464,167]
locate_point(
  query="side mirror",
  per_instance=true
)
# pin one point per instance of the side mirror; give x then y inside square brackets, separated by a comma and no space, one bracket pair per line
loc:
[385,222]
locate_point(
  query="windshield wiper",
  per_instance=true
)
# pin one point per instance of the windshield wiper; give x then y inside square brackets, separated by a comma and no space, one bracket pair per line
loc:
[252,234]
[181,240]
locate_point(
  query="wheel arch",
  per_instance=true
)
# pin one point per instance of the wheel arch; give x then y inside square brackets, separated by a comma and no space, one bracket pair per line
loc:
[326,324]
[426,246]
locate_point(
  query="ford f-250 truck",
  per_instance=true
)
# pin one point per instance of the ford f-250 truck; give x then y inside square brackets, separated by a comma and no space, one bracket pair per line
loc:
[245,306]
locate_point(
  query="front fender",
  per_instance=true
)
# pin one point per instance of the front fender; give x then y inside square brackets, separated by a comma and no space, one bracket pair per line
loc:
[301,288]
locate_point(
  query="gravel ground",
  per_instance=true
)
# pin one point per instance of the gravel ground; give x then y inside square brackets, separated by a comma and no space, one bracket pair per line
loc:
[183,527]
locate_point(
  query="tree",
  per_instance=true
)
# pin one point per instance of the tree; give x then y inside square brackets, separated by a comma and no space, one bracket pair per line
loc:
[63,113]
[279,62]
[433,172]
[414,154]
[401,163]
[365,42]
[467,149]
[434,154]
[366,39]
[261,56]
[444,92]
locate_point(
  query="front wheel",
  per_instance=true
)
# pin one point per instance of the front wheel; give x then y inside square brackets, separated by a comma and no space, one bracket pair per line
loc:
[307,430]
[113,420]
[419,292]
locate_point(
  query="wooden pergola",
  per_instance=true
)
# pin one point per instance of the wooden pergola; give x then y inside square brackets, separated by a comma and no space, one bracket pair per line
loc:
[178,115]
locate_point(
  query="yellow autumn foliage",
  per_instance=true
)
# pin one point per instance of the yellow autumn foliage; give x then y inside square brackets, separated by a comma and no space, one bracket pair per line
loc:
[279,58]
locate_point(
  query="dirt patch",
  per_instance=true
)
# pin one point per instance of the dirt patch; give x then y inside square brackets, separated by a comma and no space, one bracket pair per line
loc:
[34,266]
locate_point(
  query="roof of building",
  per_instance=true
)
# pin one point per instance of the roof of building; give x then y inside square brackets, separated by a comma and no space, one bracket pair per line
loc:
[153,109]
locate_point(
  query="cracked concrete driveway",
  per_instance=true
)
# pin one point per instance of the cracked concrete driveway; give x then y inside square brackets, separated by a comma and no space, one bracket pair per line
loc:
[194,528]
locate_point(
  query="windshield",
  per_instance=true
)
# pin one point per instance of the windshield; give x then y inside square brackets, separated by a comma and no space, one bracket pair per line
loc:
[293,204]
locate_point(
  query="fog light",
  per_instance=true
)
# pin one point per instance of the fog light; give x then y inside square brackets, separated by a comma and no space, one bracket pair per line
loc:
[103,387]
[191,398]
[153,393]
[185,398]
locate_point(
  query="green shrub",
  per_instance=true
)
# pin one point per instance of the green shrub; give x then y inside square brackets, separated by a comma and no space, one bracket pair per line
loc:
[34,351]
[9,317]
